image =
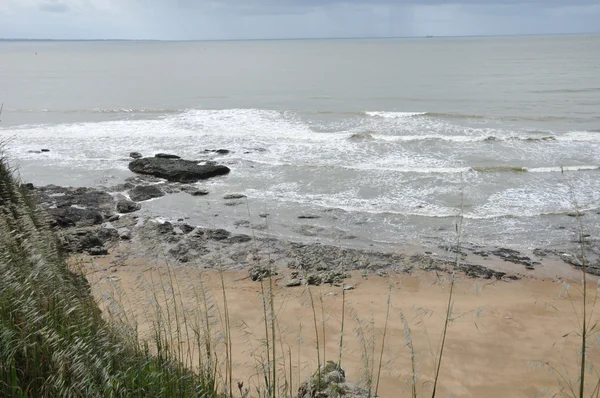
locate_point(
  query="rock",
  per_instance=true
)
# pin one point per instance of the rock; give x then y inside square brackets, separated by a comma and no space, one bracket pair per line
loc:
[217,234]
[349,287]
[330,382]
[199,192]
[108,225]
[186,228]
[165,228]
[218,151]
[97,251]
[176,170]
[135,155]
[166,156]
[75,216]
[239,239]
[264,215]
[44,150]
[259,272]
[513,256]
[29,186]
[333,277]
[145,192]
[234,196]
[114,217]
[124,233]
[127,206]
[293,282]
[308,217]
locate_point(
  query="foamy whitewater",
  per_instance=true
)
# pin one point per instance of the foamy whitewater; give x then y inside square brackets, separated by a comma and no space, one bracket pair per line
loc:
[386,151]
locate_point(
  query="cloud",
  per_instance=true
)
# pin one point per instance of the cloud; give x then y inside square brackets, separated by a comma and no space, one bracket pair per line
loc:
[265,19]
[54,6]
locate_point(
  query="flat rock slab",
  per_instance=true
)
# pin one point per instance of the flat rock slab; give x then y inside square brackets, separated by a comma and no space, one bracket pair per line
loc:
[176,170]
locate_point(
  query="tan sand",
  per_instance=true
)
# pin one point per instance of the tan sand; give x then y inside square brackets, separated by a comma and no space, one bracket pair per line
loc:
[499,333]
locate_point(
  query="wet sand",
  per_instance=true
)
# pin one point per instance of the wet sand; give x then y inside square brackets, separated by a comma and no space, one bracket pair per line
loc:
[500,332]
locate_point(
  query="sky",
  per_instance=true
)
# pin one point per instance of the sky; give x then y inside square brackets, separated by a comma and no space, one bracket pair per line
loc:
[283,19]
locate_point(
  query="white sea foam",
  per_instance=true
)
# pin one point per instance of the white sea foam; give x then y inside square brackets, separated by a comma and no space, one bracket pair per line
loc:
[394,115]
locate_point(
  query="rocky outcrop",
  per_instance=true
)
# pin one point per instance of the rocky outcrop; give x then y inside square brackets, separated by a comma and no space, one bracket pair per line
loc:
[145,192]
[75,217]
[135,155]
[127,206]
[176,170]
[166,156]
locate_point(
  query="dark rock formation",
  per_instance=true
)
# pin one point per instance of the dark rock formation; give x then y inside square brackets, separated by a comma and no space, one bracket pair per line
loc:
[135,155]
[166,156]
[75,216]
[230,196]
[176,170]
[145,192]
[127,206]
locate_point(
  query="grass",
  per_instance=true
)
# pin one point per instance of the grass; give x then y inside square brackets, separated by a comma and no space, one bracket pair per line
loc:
[55,340]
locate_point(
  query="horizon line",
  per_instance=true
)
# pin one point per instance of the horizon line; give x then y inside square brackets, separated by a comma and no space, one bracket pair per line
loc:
[23,39]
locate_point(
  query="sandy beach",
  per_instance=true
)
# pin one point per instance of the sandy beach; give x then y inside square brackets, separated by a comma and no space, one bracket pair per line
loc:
[501,334]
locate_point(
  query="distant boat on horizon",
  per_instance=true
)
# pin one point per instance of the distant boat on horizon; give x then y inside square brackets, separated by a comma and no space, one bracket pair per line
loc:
[429,36]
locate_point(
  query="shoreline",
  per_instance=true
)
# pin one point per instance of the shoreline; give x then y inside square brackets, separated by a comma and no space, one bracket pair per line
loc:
[90,219]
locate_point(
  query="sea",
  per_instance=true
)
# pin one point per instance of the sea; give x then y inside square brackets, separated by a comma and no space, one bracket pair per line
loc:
[387,141]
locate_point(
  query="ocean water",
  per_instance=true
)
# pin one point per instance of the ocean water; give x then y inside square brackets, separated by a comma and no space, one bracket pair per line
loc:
[398,136]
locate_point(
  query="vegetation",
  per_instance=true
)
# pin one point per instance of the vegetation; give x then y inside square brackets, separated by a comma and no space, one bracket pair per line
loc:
[53,339]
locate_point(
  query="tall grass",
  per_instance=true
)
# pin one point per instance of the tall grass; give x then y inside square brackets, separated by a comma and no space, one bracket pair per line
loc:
[53,339]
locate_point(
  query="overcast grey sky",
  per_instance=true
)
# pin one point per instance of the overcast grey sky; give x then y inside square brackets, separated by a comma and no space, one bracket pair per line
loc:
[268,19]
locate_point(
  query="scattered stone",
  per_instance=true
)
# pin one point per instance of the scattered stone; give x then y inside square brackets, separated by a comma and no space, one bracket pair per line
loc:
[145,192]
[349,287]
[234,196]
[186,228]
[333,277]
[127,206]
[176,170]
[135,155]
[293,282]
[44,150]
[239,239]
[166,156]
[165,228]
[330,382]
[114,217]
[218,234]
[199,192]
[232,204]
[97,251]
[264,215]
[308,217]
[382,273]
[575,214]
[124,233]
[218,151]
[258,272]
[108,225]
[513,256]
